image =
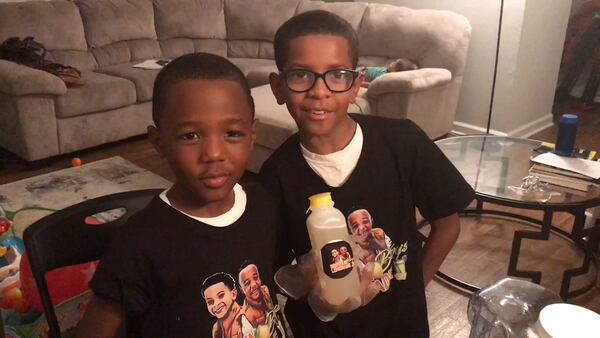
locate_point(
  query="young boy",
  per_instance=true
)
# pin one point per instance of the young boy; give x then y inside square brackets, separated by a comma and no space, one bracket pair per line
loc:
[153,277]
[387,166]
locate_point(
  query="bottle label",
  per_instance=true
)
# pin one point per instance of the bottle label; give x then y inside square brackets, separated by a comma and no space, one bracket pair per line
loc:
[338,259]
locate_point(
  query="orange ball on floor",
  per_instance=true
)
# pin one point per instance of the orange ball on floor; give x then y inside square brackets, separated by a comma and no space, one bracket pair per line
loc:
[76,162]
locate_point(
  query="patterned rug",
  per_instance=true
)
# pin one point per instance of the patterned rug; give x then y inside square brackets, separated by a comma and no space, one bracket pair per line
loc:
[24,202]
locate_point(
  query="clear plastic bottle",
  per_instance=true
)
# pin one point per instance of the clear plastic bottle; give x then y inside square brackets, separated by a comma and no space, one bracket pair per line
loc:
[330,242]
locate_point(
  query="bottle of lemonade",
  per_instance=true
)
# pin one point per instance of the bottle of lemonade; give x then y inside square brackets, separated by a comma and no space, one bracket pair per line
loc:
[330,242]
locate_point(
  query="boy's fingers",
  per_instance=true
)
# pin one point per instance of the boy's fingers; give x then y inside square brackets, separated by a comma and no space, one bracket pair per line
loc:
[319,308]
[369,287]
[307,265]
[291,281]
[297,280]
[326,311]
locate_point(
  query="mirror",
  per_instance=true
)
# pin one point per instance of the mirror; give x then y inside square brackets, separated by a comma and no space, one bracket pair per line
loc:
[513,65]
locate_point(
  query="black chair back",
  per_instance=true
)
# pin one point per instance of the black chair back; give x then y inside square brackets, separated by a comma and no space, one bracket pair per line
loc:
[64,238]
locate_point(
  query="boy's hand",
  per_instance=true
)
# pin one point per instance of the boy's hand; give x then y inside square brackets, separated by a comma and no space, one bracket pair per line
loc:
[301,282]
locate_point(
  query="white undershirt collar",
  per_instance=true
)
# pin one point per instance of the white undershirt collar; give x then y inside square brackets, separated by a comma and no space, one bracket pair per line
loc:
[335,168]
[223,220]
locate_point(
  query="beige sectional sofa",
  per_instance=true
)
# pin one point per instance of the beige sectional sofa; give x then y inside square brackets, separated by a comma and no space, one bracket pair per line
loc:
[41,118]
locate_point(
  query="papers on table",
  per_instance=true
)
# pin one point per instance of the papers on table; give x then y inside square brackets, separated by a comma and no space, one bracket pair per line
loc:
[587,168]
[152,64]
[570,172]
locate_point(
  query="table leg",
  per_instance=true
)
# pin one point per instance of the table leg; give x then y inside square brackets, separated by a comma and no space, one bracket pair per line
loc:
[479,205]
[535,276]
[578,234]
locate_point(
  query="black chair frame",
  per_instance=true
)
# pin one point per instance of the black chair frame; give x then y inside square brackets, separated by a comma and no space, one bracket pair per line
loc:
[63,238]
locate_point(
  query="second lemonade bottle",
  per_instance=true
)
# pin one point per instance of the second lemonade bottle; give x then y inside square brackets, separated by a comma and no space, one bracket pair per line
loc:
[330,242]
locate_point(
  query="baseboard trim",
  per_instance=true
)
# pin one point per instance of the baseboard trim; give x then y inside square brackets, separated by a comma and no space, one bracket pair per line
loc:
[461,128]
[532,127]
[525,131]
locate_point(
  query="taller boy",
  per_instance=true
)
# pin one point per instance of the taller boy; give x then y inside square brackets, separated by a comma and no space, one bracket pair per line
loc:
[386,166]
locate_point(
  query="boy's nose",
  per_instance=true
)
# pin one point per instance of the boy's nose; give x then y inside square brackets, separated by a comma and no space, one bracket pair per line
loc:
[319,89]
[212,150]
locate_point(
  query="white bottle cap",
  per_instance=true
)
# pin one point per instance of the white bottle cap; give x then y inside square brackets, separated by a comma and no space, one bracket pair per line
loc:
[567,321]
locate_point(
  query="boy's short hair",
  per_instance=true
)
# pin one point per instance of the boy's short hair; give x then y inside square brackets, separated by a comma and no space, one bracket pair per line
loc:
[245,264]
[314,22]
[219,277]
[195,66]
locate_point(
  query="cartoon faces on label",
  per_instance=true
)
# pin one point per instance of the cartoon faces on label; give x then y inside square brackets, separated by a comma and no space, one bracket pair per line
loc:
[337,259]
[254,316]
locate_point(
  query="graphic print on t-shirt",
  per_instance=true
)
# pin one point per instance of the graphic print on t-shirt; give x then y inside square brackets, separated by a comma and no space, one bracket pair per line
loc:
[255,316]
[373,245]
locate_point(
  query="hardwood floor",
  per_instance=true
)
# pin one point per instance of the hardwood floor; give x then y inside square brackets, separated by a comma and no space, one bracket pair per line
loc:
[480,255]
[137,150]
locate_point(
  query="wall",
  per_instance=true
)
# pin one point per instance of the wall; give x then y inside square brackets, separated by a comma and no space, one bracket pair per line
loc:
[474,102]
[531,49]
[529,57]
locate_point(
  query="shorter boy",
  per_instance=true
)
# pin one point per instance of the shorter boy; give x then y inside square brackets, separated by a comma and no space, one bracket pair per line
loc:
[168,271]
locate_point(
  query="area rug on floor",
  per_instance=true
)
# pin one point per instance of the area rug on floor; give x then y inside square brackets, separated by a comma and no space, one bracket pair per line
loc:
[59,189]
[24,202]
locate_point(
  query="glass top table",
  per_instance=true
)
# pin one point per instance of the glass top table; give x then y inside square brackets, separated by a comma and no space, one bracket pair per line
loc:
[495,167]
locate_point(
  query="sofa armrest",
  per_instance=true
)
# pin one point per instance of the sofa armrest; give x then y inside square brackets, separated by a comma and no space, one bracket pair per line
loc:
[409,81]
[419,95]
[20,80]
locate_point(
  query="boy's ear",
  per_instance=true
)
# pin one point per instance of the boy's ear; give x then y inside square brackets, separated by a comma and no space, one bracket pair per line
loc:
[277,87]
[356,86]
[154,137]
[254,130]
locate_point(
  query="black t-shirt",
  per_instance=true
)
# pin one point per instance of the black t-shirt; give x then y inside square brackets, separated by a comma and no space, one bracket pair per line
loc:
[175,276]
[399,168]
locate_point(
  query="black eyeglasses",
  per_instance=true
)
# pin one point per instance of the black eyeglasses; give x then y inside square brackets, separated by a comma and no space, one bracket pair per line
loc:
[336,80]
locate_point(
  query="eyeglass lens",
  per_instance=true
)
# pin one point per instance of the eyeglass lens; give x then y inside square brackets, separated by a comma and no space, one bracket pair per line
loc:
[336,80]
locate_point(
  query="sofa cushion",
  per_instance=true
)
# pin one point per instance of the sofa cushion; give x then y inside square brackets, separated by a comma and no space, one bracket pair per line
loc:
[203,19]
[142,78]
[173,48]
[361,105]
[246,65]
[259,21]
[78,59]
[126,51]
[101,92]
[258,76]
[431,45]
[270,114]
[45,21]
[19,80]
[108,126]
[351,12]
[250,49]
[108,21]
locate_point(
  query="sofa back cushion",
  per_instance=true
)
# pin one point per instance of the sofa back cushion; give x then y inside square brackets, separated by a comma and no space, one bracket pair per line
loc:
[187,26]
[57,25]
[251,28]
[119,31]
[433,38]
[201,19]
[351,11]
